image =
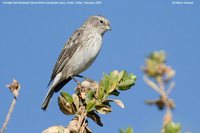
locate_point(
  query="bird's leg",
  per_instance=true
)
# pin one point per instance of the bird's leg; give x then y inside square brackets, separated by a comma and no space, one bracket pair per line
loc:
[72,76]
[78,83]
[85,78]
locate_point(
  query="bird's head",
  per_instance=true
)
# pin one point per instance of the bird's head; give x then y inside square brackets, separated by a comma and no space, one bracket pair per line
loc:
[99,23]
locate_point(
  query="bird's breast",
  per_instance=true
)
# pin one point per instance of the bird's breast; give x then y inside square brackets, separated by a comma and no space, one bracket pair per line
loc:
[85,54]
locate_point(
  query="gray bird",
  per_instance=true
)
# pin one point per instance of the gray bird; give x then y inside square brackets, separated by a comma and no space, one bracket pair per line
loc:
[78,54]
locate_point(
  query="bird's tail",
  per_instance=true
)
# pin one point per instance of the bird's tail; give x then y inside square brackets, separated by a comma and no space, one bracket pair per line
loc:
[55,87]
[47,98]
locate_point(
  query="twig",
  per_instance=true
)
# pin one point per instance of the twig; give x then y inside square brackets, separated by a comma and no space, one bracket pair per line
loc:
[160,89]
[8,115]
[160,83]
[14,88]
[171,87]
[152,84]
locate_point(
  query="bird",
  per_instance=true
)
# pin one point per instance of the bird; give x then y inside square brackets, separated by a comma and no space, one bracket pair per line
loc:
[78,54]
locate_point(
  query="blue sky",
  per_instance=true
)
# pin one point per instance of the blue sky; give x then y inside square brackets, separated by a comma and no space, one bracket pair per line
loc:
[32,36]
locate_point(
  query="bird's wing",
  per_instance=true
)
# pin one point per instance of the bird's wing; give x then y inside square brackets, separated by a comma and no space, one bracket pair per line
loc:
[69,49]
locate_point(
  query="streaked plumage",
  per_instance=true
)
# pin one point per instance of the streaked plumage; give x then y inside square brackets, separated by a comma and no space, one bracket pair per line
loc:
[78,54]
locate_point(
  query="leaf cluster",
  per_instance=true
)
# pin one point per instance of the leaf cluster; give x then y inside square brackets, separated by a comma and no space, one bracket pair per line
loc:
[156,66]
[172,127]
[92,98]
[127,130]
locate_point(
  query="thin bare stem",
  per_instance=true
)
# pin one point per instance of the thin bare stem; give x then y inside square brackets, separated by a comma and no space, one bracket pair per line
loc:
[159,87]
[167,116]
[8,115]
[83,125]
[171,87]
[152,84]
[14,88]
[160,83]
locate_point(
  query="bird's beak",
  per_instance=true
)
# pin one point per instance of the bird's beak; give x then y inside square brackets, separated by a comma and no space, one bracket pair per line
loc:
[108,27]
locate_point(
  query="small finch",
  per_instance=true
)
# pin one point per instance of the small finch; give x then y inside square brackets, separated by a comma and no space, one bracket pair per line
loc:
[78,54]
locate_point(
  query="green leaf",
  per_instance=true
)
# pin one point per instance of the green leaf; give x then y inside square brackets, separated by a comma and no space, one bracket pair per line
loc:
[103,109]
[115,80]
[101,90]
[91,105]
[126,85]
[115,93]
[172,127]
[112,82]
[120,75]
[128,130]
[119,103]
[95,117]
[106,82]
[65,106]
[89,96]
[112,86]
[109,82]
[127,81]
[67,97]
[158,56]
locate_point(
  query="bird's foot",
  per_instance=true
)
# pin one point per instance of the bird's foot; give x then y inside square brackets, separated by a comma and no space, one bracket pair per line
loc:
[71,76]
[85,78]
[79,85]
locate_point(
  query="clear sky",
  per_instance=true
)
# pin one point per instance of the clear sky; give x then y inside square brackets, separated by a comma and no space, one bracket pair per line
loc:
[32,36]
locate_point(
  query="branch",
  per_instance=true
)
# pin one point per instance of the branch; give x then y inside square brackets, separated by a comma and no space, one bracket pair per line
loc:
[90,99]
[171,87]
[152,84]
[14,88]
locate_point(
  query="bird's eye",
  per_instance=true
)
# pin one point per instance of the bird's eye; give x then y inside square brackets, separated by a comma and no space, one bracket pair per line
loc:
[101,21]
